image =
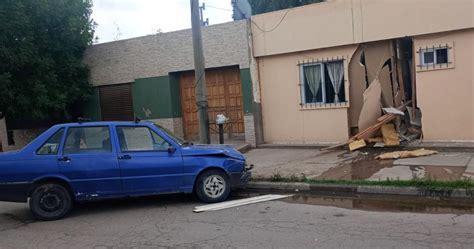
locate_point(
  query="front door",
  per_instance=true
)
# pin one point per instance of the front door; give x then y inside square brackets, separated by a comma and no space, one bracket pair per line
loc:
[224,94]
[147,166]
[89,161]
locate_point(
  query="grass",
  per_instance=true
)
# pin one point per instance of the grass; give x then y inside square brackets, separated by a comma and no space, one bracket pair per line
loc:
[428,184]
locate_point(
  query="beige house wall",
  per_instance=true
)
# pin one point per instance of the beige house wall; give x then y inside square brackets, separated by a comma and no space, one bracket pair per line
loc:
[343,22]
[284,119]
[446,96]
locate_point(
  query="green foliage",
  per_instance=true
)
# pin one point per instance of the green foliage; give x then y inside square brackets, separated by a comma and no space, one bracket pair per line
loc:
[264,6]
[42,42]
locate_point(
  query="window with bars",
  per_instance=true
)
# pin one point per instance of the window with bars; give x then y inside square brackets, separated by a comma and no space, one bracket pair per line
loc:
[433,56]
[322,82]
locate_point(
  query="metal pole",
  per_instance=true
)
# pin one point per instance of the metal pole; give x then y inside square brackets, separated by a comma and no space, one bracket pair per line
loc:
[221,133]
[201,91]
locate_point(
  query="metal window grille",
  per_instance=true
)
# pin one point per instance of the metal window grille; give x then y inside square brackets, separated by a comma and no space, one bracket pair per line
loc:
[310,62]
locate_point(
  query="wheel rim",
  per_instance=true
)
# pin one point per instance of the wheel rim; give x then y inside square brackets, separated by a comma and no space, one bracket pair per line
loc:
[214,186]
[50,202]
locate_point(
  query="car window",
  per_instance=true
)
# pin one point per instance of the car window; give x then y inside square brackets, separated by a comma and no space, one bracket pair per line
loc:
[51,146]
[87,140]
[140,139]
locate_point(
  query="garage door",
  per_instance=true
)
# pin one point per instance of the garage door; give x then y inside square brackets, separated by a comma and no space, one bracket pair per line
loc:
[116,102]
[224,90]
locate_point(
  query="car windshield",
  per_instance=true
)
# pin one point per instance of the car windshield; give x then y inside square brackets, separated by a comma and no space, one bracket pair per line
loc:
[175,138]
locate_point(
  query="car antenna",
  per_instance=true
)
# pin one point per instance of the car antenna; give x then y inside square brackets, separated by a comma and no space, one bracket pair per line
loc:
[81,120]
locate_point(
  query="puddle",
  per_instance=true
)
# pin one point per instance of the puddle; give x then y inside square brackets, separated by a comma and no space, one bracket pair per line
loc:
[361,167]
[365,166]
[389,204]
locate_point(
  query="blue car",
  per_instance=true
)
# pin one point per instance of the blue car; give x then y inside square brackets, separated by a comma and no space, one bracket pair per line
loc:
[98,160]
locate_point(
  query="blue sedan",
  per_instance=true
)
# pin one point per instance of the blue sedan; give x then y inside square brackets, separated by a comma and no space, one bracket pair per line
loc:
[98,160]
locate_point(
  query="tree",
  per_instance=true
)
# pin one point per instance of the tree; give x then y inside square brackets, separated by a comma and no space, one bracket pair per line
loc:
[42,76]
[263,6]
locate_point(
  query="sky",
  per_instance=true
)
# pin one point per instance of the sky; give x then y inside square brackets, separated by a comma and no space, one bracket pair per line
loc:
[123,19]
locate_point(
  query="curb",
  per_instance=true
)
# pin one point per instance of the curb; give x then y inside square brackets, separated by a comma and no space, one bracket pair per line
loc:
[430,146]
[243,148]
[354,189]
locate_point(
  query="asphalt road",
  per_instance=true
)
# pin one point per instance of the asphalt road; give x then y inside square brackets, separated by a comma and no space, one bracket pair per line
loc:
[168,222]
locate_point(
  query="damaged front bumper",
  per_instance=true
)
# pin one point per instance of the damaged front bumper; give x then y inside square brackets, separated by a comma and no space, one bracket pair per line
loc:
[240,179]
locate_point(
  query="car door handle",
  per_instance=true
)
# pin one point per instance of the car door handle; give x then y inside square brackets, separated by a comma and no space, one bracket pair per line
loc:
[124,157]
[64,159]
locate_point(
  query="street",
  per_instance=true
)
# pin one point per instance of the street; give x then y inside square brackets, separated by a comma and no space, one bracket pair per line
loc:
[168,222]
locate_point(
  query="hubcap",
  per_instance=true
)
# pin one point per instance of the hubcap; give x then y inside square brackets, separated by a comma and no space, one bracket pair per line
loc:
[50,202]
[214,186]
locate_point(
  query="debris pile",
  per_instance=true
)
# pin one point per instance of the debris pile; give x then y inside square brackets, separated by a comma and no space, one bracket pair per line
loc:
[383,110]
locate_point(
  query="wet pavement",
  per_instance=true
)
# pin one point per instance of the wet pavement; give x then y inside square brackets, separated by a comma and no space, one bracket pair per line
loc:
[296,222]
[358,165]
[379,203]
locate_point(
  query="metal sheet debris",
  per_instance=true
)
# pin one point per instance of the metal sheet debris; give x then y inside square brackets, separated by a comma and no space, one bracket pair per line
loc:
[237,203]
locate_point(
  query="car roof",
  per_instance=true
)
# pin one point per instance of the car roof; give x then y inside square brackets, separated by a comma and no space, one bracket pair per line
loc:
[99,123]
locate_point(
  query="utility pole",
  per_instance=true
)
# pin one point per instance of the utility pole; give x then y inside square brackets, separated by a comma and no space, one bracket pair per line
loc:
[200,74]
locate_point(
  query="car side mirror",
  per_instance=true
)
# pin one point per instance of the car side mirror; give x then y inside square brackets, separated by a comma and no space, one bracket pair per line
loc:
[171,149]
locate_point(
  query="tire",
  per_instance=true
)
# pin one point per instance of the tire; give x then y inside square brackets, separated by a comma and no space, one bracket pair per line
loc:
[50,202]
[212,186]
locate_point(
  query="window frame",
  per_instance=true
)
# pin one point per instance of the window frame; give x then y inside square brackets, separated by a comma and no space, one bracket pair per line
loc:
[303,81]
[435,57]
[62,129]
[88,152]
[151,135]
[324,104]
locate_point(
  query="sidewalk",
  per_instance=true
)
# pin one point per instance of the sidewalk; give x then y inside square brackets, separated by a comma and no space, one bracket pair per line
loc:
[310,163]
[340,172]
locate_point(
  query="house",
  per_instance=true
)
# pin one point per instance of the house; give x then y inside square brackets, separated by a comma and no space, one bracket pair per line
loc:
[151,78]
[321,65]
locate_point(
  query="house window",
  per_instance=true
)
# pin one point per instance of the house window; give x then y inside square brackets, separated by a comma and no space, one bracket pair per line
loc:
[432,56]
[322,83]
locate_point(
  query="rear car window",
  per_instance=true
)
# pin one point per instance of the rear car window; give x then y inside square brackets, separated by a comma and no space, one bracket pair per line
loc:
[51,146]
[88,140]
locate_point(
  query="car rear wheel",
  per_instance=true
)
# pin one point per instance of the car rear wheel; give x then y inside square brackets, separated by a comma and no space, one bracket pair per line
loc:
[50,202]
[212,186]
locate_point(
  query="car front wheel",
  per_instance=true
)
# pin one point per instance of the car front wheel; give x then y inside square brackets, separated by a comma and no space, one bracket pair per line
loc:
[50,202]
[213,186]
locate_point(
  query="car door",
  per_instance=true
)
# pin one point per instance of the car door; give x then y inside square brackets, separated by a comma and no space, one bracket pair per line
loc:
[90,162]
[147,165]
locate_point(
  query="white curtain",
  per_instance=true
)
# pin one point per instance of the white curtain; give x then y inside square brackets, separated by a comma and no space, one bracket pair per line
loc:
[313,79]
[336,73]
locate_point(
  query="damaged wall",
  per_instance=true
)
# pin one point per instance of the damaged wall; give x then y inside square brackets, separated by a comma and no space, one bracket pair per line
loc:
[375,55]
[446,96]
[284,119]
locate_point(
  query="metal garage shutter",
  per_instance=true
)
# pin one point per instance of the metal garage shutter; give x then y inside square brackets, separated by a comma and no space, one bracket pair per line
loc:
[116,102]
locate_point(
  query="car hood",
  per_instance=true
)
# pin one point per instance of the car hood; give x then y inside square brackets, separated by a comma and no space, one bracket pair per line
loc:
[212,150]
